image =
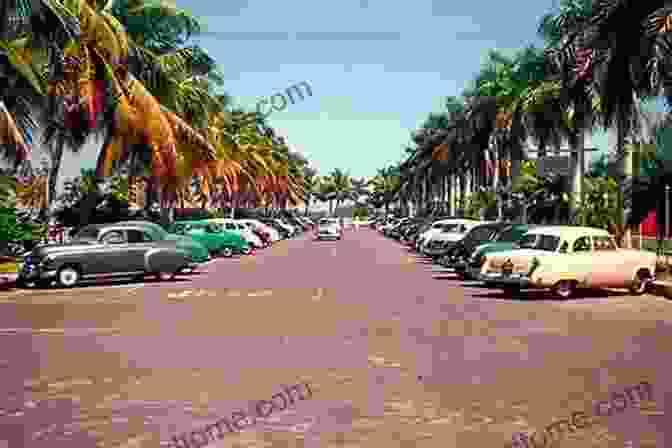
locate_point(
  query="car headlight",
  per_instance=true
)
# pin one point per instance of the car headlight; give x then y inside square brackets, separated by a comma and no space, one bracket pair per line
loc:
[534,265]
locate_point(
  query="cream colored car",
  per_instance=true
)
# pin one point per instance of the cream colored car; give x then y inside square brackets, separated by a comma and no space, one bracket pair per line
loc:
[566,258]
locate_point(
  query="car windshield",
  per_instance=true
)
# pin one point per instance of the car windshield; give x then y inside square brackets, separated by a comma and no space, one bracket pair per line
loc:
[548,243]
[509,235]
[88,233]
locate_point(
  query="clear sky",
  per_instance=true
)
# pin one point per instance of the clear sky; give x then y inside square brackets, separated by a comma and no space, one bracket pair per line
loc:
[377,69]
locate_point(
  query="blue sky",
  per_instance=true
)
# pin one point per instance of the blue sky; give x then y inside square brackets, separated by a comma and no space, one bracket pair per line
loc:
[377,69]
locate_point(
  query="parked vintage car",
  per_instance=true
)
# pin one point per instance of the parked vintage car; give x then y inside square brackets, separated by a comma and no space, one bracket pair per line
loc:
[456,256]
[214,237]
[197,252]
[240,229]
[328,230]
[565,258]
[437,242]
[104,250]
[471,268]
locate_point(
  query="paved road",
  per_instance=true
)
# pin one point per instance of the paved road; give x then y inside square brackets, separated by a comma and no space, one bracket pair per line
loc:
[393,354]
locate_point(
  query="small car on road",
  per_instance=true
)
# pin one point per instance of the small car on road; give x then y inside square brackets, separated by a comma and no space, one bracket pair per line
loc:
[328,229]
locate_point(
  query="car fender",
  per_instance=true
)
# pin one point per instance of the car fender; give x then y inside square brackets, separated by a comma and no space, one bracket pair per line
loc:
[165,260]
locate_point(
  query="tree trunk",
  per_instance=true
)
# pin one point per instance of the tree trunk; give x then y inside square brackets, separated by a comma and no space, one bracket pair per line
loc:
[577,159]
[620,150]
[56,156]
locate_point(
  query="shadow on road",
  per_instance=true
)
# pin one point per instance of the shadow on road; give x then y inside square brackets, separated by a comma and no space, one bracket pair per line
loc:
[537,294]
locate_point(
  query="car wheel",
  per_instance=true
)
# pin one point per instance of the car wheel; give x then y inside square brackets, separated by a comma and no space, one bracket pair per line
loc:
[564,289]
[641,283]
[67,277]
[226,252]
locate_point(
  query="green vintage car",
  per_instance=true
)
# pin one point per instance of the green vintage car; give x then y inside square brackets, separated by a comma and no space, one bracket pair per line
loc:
[214,237]
[505,241]
[196,251]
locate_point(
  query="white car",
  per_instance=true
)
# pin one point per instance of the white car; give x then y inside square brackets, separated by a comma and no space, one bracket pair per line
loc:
[275,236]
[290,228]
[328,230]
[449,235]
[443,226]
[566,258]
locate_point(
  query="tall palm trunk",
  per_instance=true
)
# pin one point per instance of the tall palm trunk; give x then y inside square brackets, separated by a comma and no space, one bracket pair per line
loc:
[56,156]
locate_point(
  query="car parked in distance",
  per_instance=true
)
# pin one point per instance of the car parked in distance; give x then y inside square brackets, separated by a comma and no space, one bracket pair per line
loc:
[456,257]
[439,239]
[218,241]
[327,229]
[566,258]
[103,250]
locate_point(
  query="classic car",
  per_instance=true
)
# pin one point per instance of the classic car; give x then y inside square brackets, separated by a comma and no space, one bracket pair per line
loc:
[328,230]
[198,253]
[566,258]
[456,256]
[438,242]
[214,237]
[506,240]
[240,228]
[434,228]
[103,250]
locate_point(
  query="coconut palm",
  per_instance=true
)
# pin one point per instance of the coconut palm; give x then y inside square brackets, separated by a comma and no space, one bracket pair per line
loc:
[624,63]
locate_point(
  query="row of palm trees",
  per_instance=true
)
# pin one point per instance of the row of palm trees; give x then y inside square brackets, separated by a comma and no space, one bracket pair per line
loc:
[602,61]
[336,188]
[123,70]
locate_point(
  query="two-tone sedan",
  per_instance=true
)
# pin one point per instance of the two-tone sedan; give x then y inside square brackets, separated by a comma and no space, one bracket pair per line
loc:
[104,251]
[567,258]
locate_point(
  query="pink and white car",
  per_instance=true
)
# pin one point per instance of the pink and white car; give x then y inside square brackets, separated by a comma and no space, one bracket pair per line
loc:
[566,258]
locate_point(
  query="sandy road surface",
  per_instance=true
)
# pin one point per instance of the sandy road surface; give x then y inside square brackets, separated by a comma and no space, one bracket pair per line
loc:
[395,355]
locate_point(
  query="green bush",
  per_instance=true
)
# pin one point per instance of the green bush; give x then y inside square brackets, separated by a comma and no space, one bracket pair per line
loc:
[11,230]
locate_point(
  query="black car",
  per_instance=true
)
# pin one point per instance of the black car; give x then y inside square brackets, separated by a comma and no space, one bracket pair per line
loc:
[460,252]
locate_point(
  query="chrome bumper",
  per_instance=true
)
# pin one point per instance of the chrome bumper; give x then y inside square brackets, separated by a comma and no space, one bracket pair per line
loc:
[495,280]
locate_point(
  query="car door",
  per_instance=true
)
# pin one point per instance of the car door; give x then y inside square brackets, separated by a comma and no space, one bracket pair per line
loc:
[582,257]
[608,268]
[112,256]
[139,242]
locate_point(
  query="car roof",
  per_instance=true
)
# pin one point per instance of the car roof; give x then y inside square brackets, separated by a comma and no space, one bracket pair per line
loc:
[568,231]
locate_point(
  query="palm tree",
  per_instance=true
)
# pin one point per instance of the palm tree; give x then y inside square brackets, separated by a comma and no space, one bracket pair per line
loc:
[341,185]
[624,63]
[326,192]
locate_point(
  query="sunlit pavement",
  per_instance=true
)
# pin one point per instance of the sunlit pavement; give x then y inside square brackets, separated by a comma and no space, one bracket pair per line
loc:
[395,353]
